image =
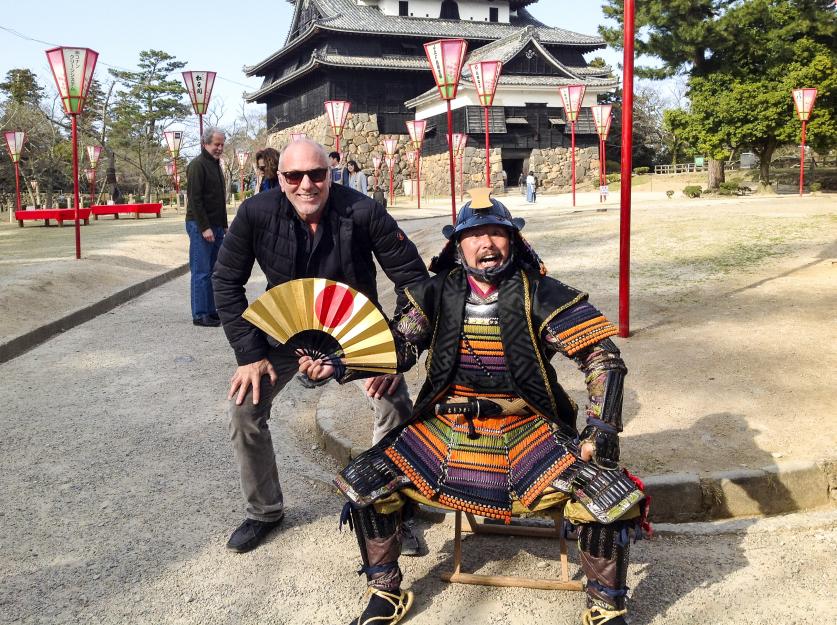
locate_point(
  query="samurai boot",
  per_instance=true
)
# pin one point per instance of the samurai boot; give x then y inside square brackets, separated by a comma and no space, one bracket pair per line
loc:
[379,540]
[385,608]
[604,551]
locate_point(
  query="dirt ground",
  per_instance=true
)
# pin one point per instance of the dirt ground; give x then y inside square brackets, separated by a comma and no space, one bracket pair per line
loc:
[118,487]
[40,279]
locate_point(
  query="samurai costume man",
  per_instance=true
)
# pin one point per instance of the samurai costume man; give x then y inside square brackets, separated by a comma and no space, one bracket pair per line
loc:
[492,430]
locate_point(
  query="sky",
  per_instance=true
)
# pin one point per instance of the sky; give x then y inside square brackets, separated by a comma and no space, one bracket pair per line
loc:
[207,35]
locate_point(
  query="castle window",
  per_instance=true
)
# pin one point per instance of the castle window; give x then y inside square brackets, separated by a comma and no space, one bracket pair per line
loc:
[403,8]
[450,10]
[493,14]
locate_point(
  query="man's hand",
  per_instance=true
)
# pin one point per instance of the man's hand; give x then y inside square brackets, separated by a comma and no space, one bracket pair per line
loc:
[383,384]
[587,451]
[208,235]
[250,375]
[316,370]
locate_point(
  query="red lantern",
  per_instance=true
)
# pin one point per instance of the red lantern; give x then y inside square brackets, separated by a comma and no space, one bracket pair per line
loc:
[446,57]
[14,144]
[486,75]
[602,118]
[337,111]
[199,85]
[416,128]
[390,146]
[174,139]
[572,96]
[73,69]
[803,100]
[242,155]
[93,153]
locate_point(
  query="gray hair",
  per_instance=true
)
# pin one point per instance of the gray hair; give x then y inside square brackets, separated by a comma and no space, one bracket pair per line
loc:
[210,132]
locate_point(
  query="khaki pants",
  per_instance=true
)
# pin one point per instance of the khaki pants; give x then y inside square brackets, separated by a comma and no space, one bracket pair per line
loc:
[253,445]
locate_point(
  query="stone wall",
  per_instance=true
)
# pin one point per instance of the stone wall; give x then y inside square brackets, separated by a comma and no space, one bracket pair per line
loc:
[553,167]
[361,140]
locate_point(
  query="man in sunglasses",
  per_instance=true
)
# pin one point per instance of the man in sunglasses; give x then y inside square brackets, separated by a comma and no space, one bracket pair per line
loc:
[308,228]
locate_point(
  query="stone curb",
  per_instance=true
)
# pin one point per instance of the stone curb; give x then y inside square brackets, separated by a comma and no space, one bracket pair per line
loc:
[23,343]
[683,497]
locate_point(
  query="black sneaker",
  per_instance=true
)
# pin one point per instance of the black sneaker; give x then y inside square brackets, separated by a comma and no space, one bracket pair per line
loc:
[250,534]
[206,322]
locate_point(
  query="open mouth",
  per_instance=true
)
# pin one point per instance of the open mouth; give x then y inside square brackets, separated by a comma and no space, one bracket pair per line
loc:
[489,260]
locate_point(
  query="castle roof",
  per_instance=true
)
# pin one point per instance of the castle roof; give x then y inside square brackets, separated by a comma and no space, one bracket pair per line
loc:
[346,16]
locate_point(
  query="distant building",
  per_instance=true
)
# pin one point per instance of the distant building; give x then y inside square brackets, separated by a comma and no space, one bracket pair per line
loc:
[370,52]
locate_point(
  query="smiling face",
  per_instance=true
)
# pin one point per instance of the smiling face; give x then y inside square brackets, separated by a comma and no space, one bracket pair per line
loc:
[308,197]
[485,247]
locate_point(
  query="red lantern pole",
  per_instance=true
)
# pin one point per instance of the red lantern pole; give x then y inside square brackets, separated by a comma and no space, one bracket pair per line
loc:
[451,165]
[573,95]
[602,168]
[390,147]
[14,143]
[72,69]
[803,100]
[17,188]
[802,161]
[486,75]
[602,118]
[416,129]
[627,148]
[446,57]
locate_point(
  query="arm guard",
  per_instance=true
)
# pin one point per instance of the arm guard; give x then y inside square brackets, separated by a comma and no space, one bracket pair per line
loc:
[604,374]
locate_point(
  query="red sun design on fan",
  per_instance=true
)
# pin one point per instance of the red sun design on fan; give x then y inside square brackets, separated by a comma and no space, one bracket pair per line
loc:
[334,305]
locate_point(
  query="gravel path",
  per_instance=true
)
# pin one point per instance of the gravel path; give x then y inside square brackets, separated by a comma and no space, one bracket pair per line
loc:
[118,490]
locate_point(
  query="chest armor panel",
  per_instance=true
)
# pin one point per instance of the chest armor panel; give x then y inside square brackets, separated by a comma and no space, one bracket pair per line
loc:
[481,359]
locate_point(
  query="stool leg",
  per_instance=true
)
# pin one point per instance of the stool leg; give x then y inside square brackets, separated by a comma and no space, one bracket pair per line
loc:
[457,543]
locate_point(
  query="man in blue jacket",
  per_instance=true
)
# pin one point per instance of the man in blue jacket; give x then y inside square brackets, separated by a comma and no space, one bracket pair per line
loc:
[309,228]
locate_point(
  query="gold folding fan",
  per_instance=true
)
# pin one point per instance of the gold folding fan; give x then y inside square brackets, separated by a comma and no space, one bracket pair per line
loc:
[326,319]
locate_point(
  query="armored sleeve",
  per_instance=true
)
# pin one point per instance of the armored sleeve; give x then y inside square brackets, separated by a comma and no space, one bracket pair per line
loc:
[583,333]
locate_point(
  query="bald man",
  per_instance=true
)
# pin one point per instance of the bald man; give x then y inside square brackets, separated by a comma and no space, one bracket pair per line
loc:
[307,228]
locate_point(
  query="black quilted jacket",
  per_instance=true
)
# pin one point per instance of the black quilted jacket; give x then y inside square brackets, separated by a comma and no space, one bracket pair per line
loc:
[262,231]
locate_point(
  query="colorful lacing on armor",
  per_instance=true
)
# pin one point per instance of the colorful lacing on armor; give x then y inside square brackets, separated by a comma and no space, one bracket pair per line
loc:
[513,457]
[578,327]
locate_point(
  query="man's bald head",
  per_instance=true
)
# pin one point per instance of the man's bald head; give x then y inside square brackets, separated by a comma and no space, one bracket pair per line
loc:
[305,147]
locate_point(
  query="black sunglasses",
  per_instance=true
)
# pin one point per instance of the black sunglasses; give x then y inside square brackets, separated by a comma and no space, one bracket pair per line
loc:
[315,175]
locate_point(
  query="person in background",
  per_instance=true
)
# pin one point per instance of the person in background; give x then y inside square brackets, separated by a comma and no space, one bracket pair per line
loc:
[379,196]
[357,179]
[206,223]
[339,175]
[521,182]
[267,162]
[531,188]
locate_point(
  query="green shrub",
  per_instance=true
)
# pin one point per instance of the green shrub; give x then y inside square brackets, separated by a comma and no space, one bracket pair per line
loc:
[692,191]
[816,187]
[613,166]
[639,171]
[669,194]
[614,178]
[728,188]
